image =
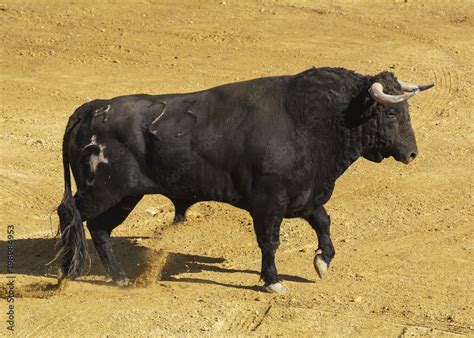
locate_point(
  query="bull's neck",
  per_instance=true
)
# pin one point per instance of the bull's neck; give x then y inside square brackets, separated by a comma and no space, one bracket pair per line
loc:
[344,147]
[328,105]
[335,148]
[351,142]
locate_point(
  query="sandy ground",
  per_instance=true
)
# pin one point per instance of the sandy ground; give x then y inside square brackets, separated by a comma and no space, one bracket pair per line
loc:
[403,234]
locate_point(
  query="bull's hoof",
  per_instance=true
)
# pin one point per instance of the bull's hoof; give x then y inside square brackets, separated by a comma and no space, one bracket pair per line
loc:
[123,282]
[320,265]
[108,279]
[279,288]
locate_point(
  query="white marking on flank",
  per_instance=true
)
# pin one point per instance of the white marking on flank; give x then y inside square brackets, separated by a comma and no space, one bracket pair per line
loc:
[93,142]
[94,160]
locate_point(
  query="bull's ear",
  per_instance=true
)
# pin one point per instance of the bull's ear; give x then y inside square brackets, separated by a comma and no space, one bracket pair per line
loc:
[361,109]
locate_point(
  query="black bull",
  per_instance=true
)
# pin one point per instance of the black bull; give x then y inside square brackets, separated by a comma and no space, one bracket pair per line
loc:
[272,146]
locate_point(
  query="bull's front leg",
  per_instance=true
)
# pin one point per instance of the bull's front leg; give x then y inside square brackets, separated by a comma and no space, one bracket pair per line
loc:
[320,222]
[267,229]
[268,206]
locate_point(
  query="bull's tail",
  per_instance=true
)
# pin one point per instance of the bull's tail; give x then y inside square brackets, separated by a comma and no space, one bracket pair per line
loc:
[72,242]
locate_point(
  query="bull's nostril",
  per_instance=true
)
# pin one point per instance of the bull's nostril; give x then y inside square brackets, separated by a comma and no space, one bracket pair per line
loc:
[413,155]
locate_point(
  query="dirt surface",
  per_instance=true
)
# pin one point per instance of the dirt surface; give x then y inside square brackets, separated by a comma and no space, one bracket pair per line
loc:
[403,234]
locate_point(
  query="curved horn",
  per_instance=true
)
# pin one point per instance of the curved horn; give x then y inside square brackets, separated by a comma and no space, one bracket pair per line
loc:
[376,91]
[410,87]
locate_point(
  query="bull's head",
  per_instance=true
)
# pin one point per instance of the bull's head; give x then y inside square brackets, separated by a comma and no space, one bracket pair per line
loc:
[390,130]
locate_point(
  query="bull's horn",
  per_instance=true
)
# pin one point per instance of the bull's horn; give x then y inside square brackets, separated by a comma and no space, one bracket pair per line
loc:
[376,91]
[410,87]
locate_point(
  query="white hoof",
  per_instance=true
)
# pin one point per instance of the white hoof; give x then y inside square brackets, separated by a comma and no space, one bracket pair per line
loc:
[279,288]
[319,264]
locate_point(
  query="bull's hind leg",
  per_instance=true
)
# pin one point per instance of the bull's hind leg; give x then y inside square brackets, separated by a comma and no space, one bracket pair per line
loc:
[321,222]
[100,229]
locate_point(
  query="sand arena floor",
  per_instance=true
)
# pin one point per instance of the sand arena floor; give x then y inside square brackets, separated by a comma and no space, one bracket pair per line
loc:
[403,234]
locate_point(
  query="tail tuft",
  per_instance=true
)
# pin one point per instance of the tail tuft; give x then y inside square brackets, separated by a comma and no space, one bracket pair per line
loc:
[72,242]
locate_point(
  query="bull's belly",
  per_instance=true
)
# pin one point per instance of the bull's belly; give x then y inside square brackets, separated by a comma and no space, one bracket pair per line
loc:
[195,178]
[186,182]
[233,188]
[221,188]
